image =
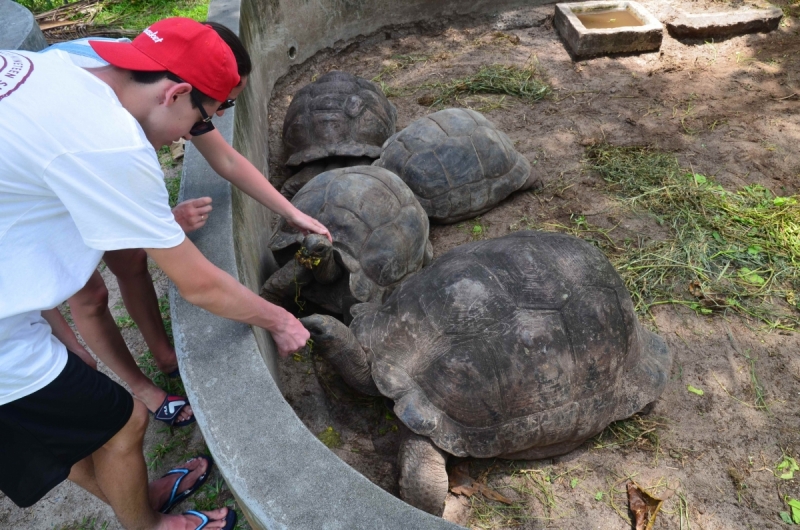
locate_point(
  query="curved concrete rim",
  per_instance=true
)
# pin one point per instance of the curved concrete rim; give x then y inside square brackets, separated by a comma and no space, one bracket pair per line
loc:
[280,474]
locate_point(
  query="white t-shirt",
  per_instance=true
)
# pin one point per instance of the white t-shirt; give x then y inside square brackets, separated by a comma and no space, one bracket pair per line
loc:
[77,177]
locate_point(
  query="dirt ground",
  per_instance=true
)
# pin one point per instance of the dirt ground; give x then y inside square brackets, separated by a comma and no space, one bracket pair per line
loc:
[726,109]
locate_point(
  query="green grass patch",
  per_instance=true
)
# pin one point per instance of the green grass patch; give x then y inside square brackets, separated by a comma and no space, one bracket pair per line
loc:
[525,83]
[732,251]
[131,14]
[124,322]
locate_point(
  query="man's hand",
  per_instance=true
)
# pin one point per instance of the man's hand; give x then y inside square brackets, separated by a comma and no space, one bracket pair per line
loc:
[308,225]
[192,214]
[292,336]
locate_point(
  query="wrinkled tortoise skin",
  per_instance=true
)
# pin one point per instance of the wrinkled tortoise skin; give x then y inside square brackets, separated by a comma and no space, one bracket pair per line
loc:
[337,115]
[457,163]
[379,230]
[522,347]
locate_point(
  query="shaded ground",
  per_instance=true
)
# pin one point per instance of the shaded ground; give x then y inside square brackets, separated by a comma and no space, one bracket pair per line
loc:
[727,110]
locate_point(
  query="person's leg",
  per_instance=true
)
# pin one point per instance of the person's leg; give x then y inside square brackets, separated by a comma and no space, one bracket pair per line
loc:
[116,473]
[89,308]
[139,295]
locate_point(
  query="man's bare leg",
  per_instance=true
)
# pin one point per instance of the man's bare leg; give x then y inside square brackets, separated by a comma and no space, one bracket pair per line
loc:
[116,473]
[139,295]
[89,308]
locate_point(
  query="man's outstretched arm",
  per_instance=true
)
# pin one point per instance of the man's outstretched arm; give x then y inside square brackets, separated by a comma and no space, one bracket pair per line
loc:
[203,284]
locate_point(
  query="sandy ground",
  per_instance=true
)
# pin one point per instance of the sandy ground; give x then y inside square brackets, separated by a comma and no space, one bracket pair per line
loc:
[726,109]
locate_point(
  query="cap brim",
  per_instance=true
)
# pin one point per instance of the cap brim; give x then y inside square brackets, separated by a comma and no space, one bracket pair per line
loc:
[125,55]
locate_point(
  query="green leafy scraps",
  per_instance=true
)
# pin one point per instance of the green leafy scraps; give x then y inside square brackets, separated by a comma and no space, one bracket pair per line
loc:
[794,505]
[788,466]
[694,390]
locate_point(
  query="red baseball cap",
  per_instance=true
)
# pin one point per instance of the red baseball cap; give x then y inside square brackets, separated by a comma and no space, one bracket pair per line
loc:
[190,50]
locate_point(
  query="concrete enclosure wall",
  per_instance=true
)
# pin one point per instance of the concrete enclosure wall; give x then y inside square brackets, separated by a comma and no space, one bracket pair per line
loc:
[281,475]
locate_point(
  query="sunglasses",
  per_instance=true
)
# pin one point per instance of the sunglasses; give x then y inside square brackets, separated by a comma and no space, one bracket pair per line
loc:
[203,126]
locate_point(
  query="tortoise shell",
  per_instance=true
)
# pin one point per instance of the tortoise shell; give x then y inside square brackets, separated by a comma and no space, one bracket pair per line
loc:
[456,162]
[520,342]
[337,115]
[379,230]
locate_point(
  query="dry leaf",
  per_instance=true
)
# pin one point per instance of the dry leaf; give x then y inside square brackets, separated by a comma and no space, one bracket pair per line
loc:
[643,506]
[177,149]
[710,301]
[462,484]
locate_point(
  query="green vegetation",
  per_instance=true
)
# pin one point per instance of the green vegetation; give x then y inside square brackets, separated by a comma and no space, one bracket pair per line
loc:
[525,83]
[132,15]
[124,322]
[331,438]
[733,251]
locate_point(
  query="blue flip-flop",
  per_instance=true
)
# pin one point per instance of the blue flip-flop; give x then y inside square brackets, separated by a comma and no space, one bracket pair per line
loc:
[175,373]
[174,496]
[169,410]
[230,519]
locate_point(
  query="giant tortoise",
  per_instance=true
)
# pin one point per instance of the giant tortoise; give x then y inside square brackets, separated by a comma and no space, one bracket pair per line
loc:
[380,236]
[339,120]
[457,163]
[519,347]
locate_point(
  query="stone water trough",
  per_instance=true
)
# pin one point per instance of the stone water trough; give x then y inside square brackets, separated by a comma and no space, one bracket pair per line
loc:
[280,474]
[602,27]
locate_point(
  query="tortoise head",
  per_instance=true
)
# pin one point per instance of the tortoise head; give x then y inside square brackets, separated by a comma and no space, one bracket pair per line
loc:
[646,380]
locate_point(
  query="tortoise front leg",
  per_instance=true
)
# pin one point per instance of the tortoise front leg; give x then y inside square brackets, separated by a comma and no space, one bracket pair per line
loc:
[423,475]
[335,342]
[284,283]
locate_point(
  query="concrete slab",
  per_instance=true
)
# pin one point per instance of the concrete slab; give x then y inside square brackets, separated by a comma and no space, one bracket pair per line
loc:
[20,31]
[584,42]
[725,24]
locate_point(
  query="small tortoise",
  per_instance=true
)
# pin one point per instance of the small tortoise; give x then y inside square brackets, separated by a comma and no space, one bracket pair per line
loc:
[457,164]
[380,236]
[519,347]
[337,121]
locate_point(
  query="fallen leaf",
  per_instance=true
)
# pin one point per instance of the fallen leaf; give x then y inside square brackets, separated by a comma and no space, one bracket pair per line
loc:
[794,504]
[462,484]
[788,466]
[643,506]
[177,149]
[694,390]
[708,300]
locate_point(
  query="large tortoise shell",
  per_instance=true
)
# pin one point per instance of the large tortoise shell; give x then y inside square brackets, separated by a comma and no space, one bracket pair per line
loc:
[524,341]
[456,162]
[379,230]
[337,115]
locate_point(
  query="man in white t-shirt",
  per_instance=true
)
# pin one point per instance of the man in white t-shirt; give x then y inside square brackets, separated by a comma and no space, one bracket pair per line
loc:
[79,176]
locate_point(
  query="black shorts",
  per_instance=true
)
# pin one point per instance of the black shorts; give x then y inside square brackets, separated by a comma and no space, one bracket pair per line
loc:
[42,435]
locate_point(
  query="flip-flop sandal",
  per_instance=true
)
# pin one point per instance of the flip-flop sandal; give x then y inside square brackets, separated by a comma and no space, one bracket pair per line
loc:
[230,519]
[175,373]
[169,410]
[174,496]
